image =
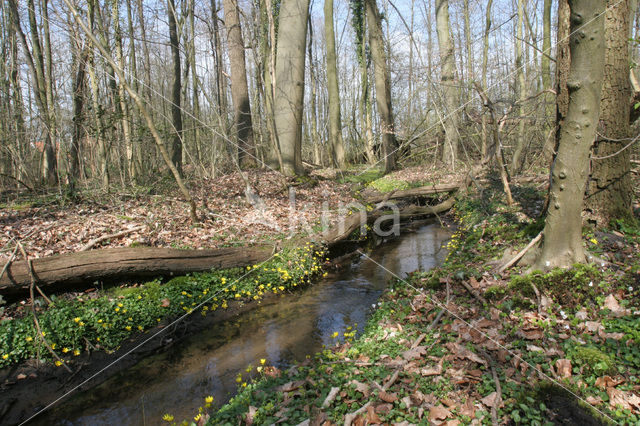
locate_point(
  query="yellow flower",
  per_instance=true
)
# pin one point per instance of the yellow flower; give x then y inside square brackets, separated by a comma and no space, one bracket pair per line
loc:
[77,319]
[167,418]
[53,346]
[223,280]
[76,352]
[120,305]
[335,334]
[259,369]
[65,350]
[117,309]
[5,356]
[128,328]
[81,324]
[196,418]
[244,384]
[29,338]
[594,241]
[263,361]
[140,327]
[58,363]
[208,399]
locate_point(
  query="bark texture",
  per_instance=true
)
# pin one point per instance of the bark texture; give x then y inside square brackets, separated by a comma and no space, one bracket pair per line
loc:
[447,78]
[176,89]
[239,87]
[56,273]
[609,194]
[562,243]
[335,120]
[289,84]
[382,85]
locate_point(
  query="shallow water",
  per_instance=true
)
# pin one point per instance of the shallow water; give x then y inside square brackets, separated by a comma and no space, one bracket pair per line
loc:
[207,363]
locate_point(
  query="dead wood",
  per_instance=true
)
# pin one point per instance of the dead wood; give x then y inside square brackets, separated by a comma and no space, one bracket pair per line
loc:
[95,241]
[55,273]
[416,192]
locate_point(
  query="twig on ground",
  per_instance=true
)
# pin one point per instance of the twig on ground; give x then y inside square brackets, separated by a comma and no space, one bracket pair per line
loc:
[520,254]
[473,292]
[330,397]
[349,418]
[93,242]
[33,309]
[6,265]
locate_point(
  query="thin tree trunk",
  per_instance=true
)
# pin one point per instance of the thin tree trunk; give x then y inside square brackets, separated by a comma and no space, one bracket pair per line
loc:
[522,89]
[176,89]
[447,77]
[382,84]
[79,94]
[485,61]
[124,107]
[335,120]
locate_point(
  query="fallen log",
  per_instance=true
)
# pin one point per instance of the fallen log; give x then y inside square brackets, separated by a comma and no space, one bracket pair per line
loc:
[349,224]
[56,273]
[416,192]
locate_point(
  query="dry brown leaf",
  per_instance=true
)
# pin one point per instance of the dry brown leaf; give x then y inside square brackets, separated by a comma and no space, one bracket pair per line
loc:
[414,353]
[492,400]
[605,382]
[563,368]
[624,399]
[462,352]
[372,417]
[432,371]
[438,412]
[594,400]
[387,397]
[361,387]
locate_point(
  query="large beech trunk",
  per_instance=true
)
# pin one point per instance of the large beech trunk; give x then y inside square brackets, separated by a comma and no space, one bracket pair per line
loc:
[562,235]
[60,272]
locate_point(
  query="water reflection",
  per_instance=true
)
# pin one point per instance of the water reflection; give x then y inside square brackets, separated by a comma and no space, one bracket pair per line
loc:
[177,380]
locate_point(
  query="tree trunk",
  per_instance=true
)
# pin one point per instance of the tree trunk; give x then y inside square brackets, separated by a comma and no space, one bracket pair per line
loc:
[485,61]
[447,77]
[562,241]
[79,93]
[124,106]
[335,121]
[176,89]
[609,194]
[382,84]
[239,87]
[289,84]
[97,108]
[522,89]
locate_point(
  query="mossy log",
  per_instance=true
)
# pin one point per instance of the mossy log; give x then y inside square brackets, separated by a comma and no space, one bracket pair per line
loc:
[416,192]
[56,273]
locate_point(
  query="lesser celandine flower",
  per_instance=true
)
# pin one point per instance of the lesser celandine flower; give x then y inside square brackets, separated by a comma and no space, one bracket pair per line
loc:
[167,418]
[208,399]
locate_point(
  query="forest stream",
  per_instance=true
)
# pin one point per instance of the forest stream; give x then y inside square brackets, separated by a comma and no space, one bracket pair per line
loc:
[177,380]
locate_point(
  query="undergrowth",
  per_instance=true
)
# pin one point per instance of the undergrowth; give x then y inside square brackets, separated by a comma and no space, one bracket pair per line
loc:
[104,321]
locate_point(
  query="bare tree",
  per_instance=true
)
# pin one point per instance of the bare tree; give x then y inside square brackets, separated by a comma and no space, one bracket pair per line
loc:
[562,235]
[239,87]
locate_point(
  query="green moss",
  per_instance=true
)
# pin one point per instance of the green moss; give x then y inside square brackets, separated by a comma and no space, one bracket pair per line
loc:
[593,359]
[388,184]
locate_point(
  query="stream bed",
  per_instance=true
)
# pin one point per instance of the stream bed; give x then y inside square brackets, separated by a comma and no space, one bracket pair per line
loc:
[177,380]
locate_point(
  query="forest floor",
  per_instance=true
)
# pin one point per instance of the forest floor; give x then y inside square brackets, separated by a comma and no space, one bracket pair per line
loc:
[461,344]
[464,344]
[46,226]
